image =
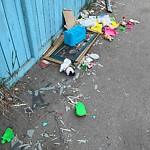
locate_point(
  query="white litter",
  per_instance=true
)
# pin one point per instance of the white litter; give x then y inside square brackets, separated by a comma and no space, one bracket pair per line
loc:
[65,129]
[82,141]
[94,56]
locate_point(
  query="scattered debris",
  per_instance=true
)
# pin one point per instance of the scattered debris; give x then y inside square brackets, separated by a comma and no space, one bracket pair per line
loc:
[37,100]
[18,105]
[44,124]
[82,141]
[61,90]
[44,63]
[1,96]
[129,27]
[57,143]
[62,123]
[28,110]
[15,143]
[80,109]
[45,134]
[123,21]
[59,113]
[54,139]
[67,108]
[122,29]
[126,94]
[77,76]
[132,21]
[88,22]
[30,133]
[94,117]
[94,56]
[7,136]
[108,37]
[47,88]
[96,86]
[65,129]
[108,5]
[39,146]
[73,129]
[71,100]
[25,146]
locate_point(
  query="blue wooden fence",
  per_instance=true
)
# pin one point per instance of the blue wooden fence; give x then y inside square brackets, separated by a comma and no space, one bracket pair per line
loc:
[27,28]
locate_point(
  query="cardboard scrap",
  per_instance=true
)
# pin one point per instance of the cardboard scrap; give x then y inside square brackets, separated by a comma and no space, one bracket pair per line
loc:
[69,18]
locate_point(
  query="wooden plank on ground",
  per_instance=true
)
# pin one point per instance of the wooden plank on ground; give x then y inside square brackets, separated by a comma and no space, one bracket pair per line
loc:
[86,50]
[53,60]
[55,45]
[50,56]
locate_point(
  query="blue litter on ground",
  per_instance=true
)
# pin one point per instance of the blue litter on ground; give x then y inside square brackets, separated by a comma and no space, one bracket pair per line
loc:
[44,124]
[74,35]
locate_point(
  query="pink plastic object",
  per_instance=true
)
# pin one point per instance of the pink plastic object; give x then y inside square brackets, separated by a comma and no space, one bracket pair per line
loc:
[90,65]
[110,31]
[129,27]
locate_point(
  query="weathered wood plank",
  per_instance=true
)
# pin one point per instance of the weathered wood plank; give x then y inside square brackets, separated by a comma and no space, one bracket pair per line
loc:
[41,20]
[4,69]
[22,28]
[6,43]
[15,30]
[57,43]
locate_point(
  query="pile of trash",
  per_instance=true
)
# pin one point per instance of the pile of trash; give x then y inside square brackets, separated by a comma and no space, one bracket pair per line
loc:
[104,24]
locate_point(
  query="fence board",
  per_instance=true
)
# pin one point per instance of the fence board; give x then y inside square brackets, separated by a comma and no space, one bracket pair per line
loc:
[41,20]
[52,17]
[22,28]
[4,69]
[6,43]
[15,32]
[30,17]
[47,19]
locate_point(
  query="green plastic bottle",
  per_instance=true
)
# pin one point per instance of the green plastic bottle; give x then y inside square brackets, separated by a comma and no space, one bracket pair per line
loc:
[8,136]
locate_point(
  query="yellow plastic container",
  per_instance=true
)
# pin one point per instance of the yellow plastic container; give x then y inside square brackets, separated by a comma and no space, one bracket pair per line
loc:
[98,27]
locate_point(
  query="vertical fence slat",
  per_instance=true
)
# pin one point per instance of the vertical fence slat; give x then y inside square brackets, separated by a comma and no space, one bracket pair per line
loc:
[58,15]
[41,21]
[46,7]
[4,70]
[29,11]
[36,23]
[51,2]
[23,30]
[15,31]
[6,43]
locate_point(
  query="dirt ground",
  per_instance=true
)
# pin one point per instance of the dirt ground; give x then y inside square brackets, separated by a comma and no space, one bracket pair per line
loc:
[115,92]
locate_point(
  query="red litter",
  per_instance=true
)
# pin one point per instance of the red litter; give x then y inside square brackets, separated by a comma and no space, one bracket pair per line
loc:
[44,64]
